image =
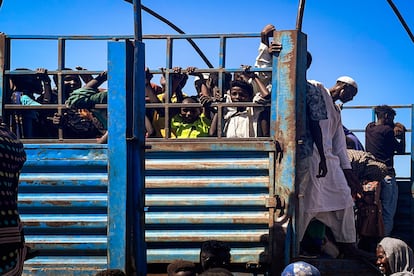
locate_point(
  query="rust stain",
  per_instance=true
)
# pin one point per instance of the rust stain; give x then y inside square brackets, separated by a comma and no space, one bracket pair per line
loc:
[59,203]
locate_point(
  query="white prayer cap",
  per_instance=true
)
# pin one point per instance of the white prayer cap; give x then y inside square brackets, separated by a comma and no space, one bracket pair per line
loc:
[348,80]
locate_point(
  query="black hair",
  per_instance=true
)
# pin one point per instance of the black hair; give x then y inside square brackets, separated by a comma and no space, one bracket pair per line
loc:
[243,85]
[220,252]
[74,76]
[194,99]
[381,110]
[308,59]
[27,83]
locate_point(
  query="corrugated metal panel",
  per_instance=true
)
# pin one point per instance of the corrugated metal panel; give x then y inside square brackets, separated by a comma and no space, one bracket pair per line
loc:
[63,205]
[193,196]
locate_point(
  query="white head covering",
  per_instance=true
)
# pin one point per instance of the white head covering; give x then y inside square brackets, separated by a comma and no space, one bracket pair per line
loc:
[348,80]
[399,254]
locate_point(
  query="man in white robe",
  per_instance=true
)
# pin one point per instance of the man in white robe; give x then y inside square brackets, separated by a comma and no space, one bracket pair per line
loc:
[330,199]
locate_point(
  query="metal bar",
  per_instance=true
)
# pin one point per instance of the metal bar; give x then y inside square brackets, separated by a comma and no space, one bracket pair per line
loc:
[117,155]
[136,161]
[169,23]
[299,17]
[4,65]
[398,14]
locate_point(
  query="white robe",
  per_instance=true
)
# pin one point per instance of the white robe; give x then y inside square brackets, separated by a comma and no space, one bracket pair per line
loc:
[329,193]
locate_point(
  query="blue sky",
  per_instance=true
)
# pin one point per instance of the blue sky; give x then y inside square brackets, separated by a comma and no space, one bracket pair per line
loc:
[362,39]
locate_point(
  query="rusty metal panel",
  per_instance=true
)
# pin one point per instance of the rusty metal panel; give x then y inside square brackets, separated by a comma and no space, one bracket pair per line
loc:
[63,205]
[199,193]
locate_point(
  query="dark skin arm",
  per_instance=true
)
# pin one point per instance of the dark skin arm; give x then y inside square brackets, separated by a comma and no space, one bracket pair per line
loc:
[246,75]
[267,33]
[96,82]
[213,127]
[317,138]
[85,77]
[353,183]
[47,88]
[149,129]
[150,94]
[399,133]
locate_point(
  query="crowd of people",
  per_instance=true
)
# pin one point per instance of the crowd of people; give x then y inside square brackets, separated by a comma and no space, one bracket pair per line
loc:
[393,257]
[80,120]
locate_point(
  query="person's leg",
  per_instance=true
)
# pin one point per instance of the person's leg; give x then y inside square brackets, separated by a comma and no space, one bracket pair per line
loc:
[341,223]
[389,198]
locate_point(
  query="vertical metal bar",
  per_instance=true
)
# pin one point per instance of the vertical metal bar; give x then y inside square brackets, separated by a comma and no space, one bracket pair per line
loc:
[273,108]
[373,117]
[60,85]
[299,17]
[4,65]
[222,54]
[222,64]
[137,21]
[168,86]
[288,88]
[412,172]
[117,155]
[135,150]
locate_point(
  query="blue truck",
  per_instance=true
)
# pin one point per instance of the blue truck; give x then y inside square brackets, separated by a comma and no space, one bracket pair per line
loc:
[139,203]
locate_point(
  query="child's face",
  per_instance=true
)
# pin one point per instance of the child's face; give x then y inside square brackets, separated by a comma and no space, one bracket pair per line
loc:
[190,114]
[239,95]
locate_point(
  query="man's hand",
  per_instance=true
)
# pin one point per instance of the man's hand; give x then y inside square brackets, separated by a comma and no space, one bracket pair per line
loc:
[41,74]
[267,33]
[275,48]
[399,130]
[353,183]
[148,76]
[56,119]
[323,170]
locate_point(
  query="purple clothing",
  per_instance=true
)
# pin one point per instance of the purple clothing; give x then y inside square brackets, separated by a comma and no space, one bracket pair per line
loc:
[354,138]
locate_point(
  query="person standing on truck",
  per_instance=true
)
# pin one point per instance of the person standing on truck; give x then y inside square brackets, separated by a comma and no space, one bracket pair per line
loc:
[383,139]
[12,243]
[330,199]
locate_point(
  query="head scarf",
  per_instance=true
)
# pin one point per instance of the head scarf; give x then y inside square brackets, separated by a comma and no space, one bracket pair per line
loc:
[300,268]
[399,254]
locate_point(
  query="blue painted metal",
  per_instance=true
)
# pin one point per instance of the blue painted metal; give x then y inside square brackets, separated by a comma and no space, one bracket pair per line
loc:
[118,73]
[64,208]
[287,113]
[193,196]
[136,148]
